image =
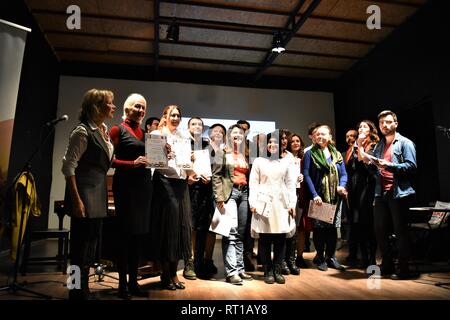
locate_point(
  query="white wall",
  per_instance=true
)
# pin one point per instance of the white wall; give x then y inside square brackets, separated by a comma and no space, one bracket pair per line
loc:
[290,109]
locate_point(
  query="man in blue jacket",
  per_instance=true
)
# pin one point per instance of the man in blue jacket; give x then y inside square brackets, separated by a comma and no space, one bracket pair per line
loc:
[396,162]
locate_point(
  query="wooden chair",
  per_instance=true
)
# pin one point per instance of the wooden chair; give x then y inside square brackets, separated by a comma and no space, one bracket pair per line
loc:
[60,233]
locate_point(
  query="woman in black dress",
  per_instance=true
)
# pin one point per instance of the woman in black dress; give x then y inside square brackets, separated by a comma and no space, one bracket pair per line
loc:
[132,187]
[170,227]
[361,195]
[202,206]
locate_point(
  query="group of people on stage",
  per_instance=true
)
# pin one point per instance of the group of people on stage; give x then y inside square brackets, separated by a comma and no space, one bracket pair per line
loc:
[265,185]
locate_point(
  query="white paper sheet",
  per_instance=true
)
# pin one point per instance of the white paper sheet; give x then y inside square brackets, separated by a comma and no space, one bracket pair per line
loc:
[155,151]
[182,150]
[202,163]
[221,223]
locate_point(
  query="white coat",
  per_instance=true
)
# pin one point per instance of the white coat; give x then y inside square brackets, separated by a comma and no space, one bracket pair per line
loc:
[272,192]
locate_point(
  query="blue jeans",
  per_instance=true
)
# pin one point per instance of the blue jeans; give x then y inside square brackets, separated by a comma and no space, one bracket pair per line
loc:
[233,245]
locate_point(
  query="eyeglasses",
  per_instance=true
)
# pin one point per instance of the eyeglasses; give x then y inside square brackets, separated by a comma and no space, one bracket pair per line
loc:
[139,106]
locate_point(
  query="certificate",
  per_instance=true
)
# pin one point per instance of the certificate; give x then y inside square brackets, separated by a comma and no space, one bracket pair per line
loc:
[155,151]
[181,147]
[324,212]
[221,223]
[202,163]
[263,204]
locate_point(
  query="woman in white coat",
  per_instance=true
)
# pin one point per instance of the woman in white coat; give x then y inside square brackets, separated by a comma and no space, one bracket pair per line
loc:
[272,202]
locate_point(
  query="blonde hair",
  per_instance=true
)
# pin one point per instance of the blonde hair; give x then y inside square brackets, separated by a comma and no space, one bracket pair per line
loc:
[92,101]
[130,102]
[330,131]
[166,114]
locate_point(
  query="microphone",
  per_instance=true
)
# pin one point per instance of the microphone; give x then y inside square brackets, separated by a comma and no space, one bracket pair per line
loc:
[444,129]
[64,117]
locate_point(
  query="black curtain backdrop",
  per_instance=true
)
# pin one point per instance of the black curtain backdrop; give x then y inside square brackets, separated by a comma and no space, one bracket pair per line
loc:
[36,104]
[408,73]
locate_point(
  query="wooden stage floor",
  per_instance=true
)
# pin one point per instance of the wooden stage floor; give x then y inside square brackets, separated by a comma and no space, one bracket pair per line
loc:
[312,284]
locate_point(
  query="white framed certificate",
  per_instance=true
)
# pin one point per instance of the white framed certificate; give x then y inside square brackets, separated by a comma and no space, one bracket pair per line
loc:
[155,151]
[202,163]
[181,147]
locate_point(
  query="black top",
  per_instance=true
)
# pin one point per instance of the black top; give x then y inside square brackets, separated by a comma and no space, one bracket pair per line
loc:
[132,187]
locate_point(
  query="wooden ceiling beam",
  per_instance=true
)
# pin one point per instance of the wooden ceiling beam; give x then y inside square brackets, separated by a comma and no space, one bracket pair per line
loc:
[271,56]
[399,3]
[207,45]
[189,59]
[156,36]
[213,25]
[269,11]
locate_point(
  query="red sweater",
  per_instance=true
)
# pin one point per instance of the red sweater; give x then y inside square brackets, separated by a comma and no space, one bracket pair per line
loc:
[114,133]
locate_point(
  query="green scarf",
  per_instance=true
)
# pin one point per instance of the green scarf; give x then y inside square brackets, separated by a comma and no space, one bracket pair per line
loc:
[330,180]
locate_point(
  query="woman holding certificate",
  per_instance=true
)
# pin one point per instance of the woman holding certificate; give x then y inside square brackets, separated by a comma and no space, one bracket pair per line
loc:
[201,201]
[326,178]
[230,187]
[288,265]
[133,188]
[361,195]
[272,201]
[170,225]
[296,147]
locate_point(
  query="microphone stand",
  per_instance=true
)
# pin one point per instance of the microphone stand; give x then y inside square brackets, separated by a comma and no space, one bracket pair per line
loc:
[14,287]
[444,131]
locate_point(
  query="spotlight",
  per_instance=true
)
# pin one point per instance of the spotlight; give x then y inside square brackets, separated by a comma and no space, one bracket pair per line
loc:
[277,45]
[173,32]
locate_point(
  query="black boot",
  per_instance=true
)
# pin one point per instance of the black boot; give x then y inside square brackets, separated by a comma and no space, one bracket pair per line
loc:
[133,287]
[268,274]
[291,244]
[277,275]
[293,267]
[403,272]
[209,267]
[285,269]
[300,262]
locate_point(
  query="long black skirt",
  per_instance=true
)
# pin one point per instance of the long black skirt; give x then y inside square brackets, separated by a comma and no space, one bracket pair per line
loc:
[133,191]
[170,223]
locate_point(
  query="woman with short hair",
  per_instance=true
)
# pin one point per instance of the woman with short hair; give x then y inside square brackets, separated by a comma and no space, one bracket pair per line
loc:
[326,178]
[230,188]
[132,188]
[85,165]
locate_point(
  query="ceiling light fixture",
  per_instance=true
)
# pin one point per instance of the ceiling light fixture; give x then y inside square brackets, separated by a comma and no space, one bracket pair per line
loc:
[173,31]
[277,45]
